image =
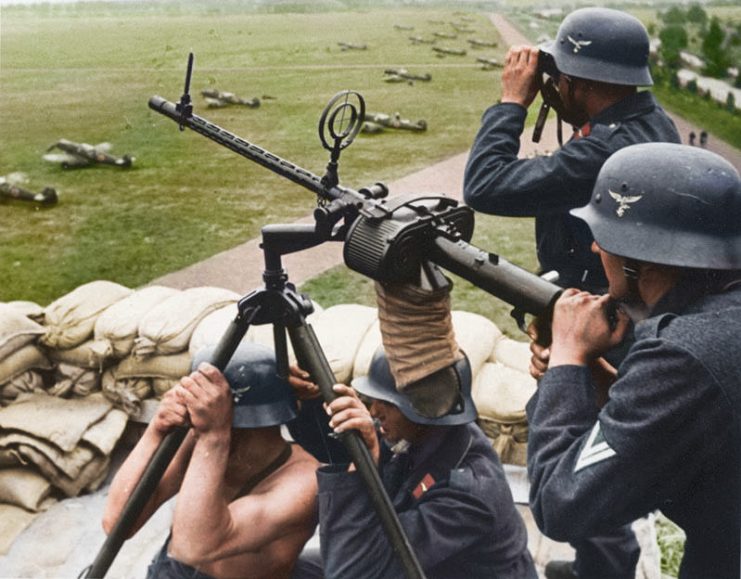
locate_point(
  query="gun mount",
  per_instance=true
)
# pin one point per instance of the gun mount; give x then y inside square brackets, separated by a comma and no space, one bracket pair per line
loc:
[388,240]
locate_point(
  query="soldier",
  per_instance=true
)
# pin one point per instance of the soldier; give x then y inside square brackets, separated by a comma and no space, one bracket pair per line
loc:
[75,155]
[246,497]
[666,219]
[445,481]
[599,58]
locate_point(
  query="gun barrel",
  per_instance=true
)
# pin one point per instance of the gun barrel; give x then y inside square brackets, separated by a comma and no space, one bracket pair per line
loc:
[242,147]
[523,290]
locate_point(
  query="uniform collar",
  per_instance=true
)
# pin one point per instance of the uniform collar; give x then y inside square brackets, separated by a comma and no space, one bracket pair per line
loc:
[634,105]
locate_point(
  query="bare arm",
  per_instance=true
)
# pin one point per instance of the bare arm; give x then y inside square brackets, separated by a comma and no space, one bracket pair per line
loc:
[170,413]
[206,525]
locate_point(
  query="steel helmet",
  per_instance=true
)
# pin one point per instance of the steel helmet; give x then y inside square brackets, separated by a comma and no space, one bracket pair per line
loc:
[261,397]
[604,45]
[380,384]
[668,204]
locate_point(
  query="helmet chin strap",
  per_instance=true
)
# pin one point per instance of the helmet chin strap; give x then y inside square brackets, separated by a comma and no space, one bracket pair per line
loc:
[633,304]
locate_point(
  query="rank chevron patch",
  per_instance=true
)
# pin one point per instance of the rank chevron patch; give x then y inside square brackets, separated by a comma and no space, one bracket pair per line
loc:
[595,450]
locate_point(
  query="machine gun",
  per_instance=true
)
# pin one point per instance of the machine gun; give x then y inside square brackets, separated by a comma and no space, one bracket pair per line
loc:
[397,239]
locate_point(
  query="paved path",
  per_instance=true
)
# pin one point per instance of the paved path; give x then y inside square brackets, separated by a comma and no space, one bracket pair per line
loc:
[512,36]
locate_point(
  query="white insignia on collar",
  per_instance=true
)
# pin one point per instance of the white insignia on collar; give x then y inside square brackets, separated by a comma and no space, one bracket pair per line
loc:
[595,450]
[578,44]
[623,201]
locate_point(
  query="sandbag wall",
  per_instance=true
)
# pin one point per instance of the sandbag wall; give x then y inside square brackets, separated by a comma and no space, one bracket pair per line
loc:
[83,364]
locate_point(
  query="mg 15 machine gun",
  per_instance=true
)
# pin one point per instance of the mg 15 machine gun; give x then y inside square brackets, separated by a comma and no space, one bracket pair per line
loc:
[398,239]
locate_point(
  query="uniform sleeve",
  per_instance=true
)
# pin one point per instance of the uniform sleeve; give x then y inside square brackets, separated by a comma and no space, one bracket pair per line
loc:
[442,524]
[593,471]
[496,181]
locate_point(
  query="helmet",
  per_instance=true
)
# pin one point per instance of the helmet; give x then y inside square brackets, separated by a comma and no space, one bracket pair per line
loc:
[668,204]
[261,397]
[604,45]
[380,384]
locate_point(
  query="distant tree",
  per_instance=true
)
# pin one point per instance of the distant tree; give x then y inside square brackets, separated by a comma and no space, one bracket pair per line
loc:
[716,56]
[675,15]
[731,102]
[673,41]
[697,15]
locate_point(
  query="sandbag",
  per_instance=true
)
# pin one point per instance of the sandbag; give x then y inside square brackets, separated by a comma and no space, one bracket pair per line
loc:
[117,327]
[24,487]
[29,357]
[162,385]
[369,344]
[512,353]
[48,457]
[211,328]
[340,330]
[25,383]
[12,522]
[60,421]
[501,394]
[126,393]
[167,327]
[71,380]
[16,330]
[476,336]
[133,380]
[70,320]
[29,309]
[82,356]
[165,366]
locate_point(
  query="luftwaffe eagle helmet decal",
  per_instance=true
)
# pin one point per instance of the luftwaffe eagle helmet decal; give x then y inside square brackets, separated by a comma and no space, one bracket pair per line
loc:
[623,201]
[578,44]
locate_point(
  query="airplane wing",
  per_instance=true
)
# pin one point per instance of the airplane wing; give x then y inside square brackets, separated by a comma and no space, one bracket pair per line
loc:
[66,159]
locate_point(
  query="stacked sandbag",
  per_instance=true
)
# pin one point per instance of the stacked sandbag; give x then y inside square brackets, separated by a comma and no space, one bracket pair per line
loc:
[501,390]
[22,363]
[48,442]
[339,330]
[118,326]
[211,329]
[70,323]
[159,356]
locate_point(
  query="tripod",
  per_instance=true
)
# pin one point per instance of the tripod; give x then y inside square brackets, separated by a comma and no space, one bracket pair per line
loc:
[279,304]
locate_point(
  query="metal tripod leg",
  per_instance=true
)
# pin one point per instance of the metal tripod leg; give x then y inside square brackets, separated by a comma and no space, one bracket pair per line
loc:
[312,359]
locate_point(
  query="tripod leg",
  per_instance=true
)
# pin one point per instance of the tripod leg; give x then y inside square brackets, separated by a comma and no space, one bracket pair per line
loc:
[159,462]
[312,359]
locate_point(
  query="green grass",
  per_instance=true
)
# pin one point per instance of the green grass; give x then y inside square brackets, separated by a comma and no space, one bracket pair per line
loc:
[86,72]
[705,113]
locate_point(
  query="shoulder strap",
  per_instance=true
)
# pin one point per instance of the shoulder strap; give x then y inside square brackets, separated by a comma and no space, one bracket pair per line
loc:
[257,478]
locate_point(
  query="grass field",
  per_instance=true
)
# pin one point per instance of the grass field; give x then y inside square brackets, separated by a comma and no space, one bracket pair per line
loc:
[86,72]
